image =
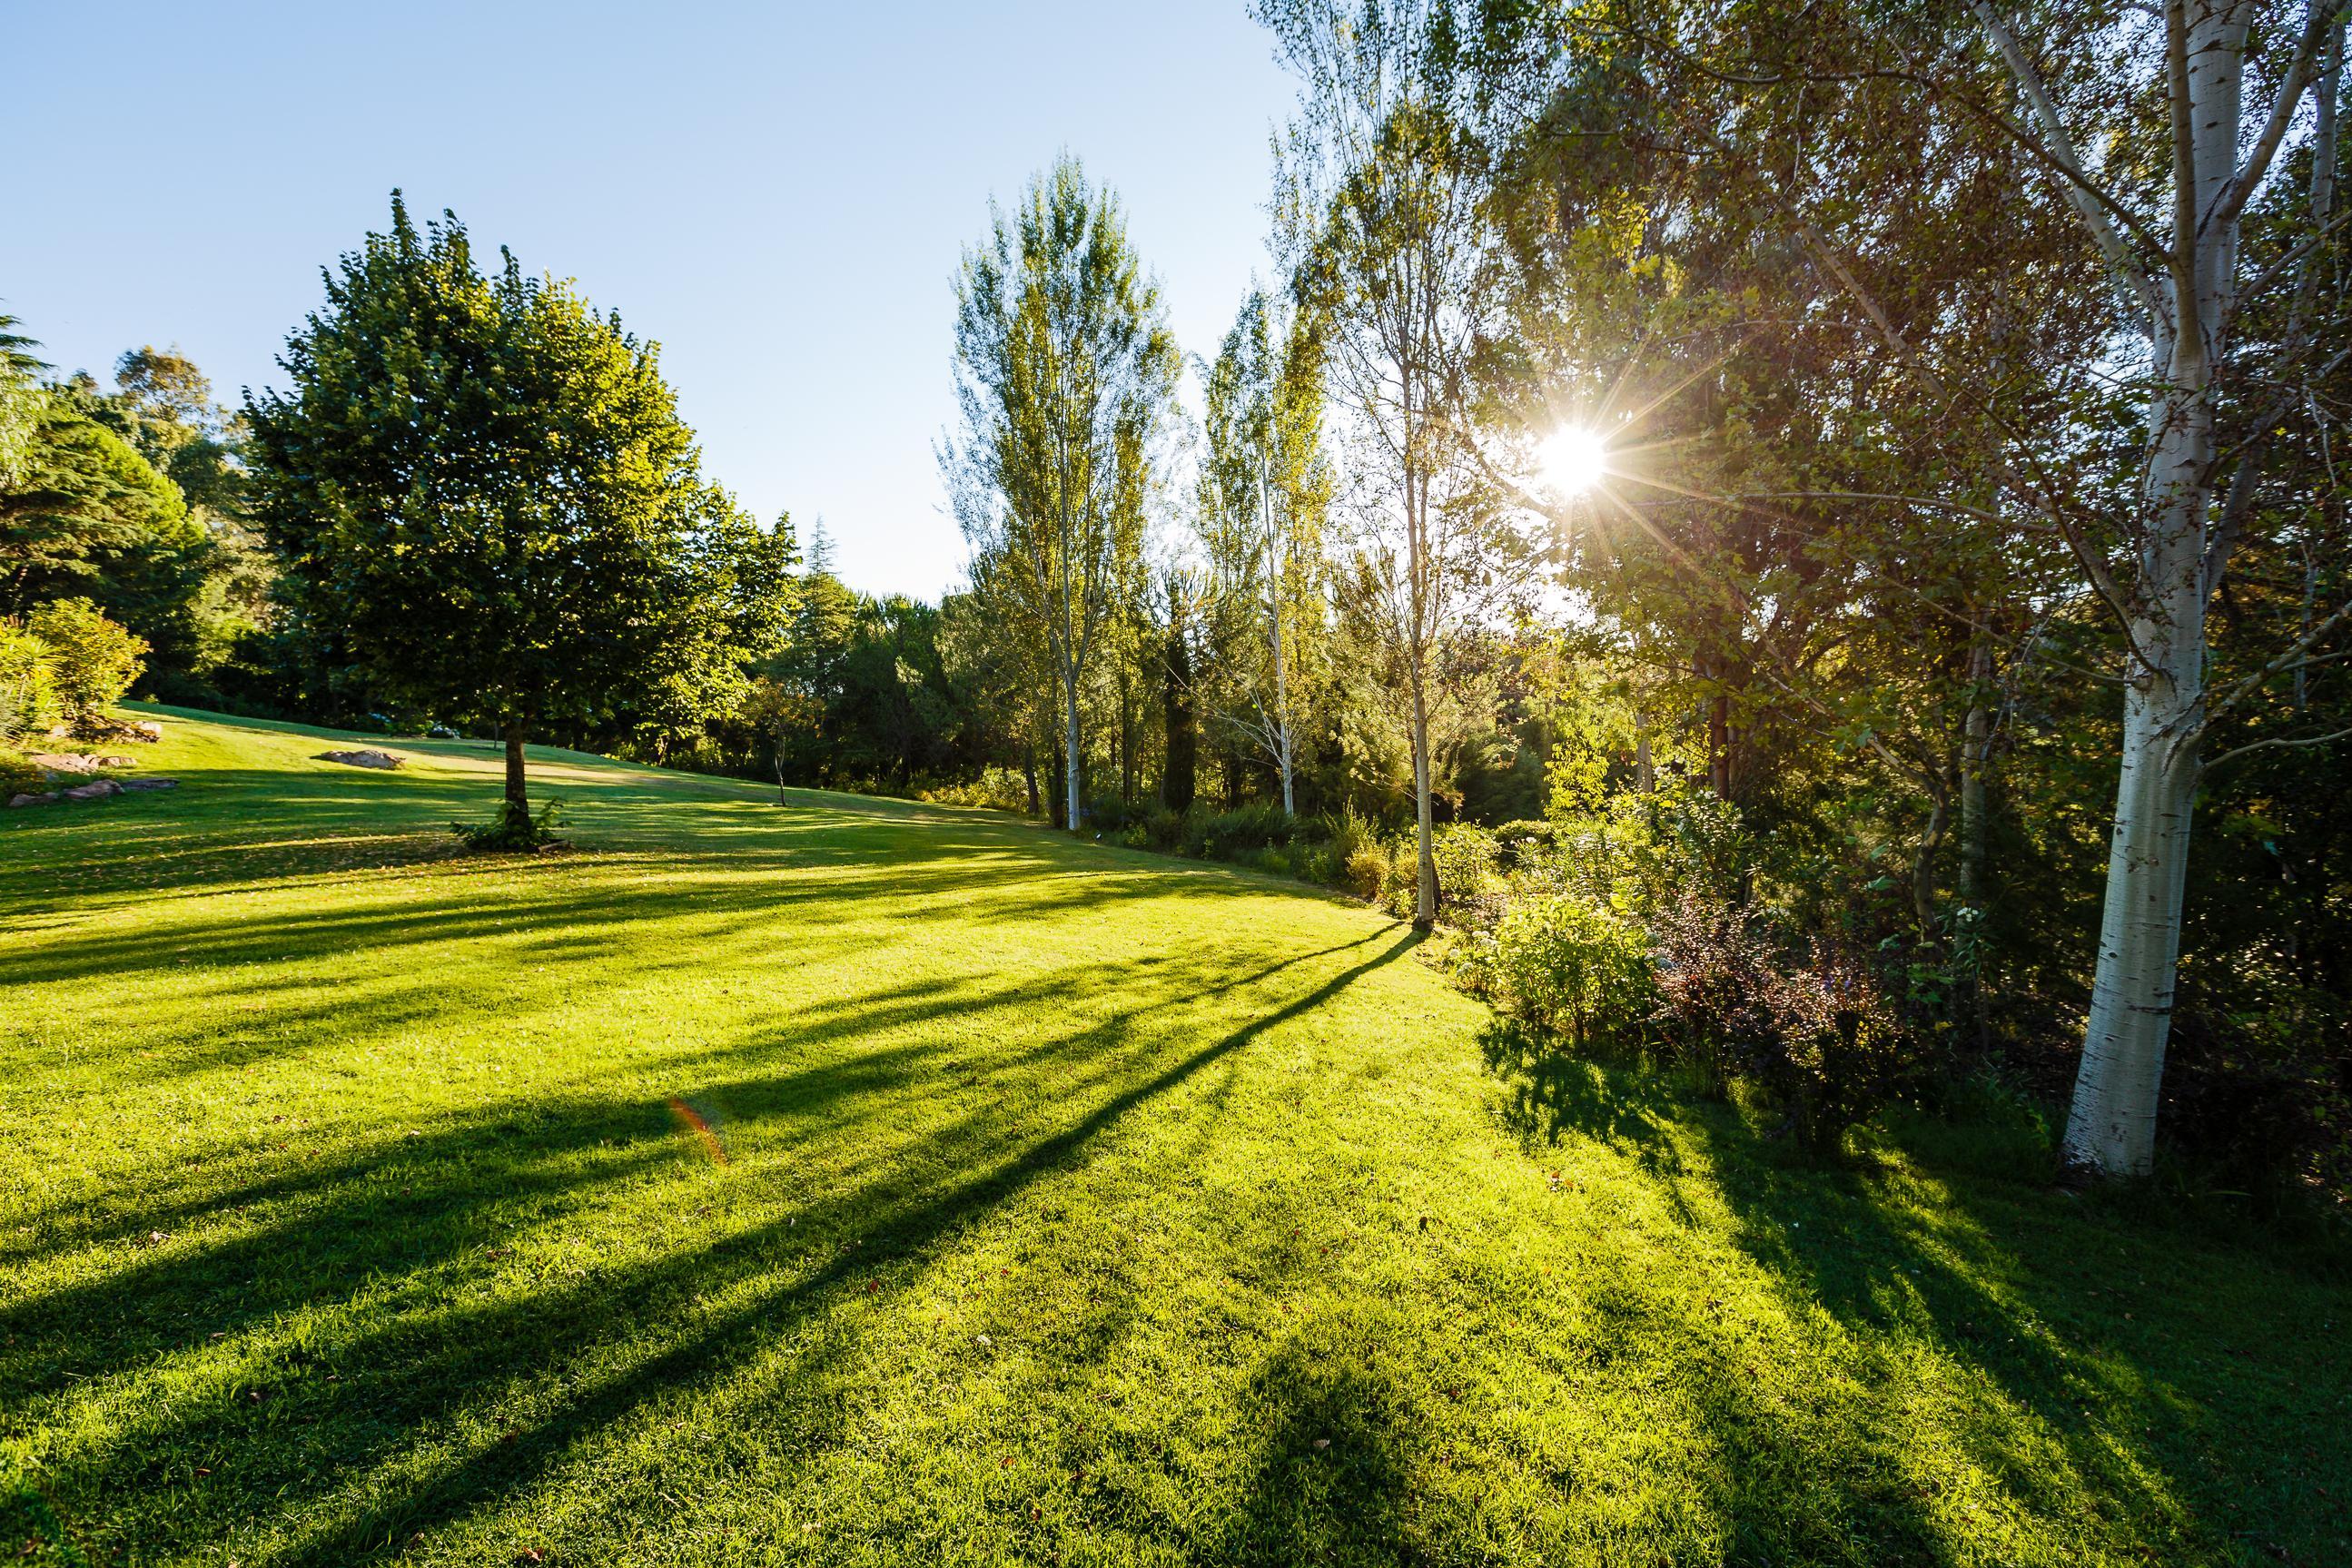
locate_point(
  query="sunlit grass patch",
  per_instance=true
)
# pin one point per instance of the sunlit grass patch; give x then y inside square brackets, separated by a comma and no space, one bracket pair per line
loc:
[1073,1206]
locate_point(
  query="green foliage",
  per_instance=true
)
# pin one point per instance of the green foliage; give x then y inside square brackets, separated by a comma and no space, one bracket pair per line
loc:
[484,488]
[92,660]
[1065,381]
[1564,967]
[28,690]
[1265,486]
[514,832]
[1148,1184]
[997,789]
[1232,834]
[867,694]
[1468,860]
[20,776]
[89,516]
[21,403]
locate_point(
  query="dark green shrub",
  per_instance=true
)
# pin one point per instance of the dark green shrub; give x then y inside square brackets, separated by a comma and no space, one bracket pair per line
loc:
[1519,844]
[180,689]
[1230,835]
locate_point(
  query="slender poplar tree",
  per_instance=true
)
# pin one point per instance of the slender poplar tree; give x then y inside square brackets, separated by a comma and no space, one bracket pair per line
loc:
[1065,378]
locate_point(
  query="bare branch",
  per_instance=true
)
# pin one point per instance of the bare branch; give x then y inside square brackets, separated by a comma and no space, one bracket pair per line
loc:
[2079,187]
[2281,742]
[2286,662]
[2322,19]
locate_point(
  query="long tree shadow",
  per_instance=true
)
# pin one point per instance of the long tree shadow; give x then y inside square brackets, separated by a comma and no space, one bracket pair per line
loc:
[2064,1391]
[380,1267]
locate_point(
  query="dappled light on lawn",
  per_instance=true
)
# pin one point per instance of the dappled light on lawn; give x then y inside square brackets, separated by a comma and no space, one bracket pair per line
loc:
[1070,1204]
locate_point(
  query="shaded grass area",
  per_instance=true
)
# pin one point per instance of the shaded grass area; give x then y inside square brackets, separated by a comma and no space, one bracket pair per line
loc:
[1074,1207]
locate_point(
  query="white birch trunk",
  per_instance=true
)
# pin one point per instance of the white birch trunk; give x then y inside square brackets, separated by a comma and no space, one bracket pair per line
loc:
[2111,1125]
[2111,1128]
[1425,905]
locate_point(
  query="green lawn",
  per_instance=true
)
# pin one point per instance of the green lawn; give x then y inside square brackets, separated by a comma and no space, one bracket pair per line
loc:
[1076,1207]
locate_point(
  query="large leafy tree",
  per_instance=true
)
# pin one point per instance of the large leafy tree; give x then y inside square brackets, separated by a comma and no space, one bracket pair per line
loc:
[485,487]
[1066,375]
[84,513]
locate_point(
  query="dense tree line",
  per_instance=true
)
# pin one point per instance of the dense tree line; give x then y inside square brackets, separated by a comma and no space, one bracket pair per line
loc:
[1823,498]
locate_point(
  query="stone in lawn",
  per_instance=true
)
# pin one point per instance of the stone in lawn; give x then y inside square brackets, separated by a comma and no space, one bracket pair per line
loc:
[367,758]
[147,729]
[41,799]
[151,783]
[97,791]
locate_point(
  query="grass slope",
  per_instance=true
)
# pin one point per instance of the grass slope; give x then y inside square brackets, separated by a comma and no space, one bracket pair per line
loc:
[1078,1206]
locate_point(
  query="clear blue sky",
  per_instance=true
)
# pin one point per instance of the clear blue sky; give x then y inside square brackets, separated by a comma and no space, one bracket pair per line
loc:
[778,193]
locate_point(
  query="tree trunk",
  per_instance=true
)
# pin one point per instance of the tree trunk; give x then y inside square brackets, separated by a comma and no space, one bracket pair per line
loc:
[1178,779]
[1029,776]
[1645,772]
[1923,875]
[517,807]
[1976,758]
[1424,903]
[1976,743]
[1070,747]
[2111,1127]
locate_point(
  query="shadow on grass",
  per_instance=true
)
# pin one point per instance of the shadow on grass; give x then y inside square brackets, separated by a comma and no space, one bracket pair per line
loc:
[1336,1445]
[452,1384]
[2062,1391]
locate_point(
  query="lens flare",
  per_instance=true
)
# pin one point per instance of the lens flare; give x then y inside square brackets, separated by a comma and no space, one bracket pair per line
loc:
[699,1127]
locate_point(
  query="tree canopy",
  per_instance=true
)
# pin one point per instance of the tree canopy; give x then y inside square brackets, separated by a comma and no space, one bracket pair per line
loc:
[485,486]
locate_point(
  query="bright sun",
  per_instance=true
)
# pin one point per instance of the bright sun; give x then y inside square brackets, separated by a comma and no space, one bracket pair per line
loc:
[1573,460]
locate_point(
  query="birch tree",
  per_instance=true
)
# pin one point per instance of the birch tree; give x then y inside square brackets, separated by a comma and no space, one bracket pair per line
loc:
[2172,246]
[1380,214]
[2151,129]
[1065,376]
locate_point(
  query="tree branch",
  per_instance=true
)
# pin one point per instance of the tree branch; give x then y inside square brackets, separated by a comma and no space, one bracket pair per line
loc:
[2282,742]
[2317,23]
[2079,190]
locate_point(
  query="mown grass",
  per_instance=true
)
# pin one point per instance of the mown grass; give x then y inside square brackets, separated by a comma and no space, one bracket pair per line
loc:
[1076,1207]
